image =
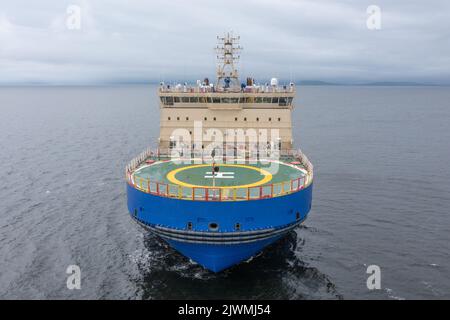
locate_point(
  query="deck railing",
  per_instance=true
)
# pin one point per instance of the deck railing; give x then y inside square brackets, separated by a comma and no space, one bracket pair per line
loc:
[214,193]
[215,89]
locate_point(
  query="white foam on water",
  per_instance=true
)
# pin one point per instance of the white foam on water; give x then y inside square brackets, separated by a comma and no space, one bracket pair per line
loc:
[391,295]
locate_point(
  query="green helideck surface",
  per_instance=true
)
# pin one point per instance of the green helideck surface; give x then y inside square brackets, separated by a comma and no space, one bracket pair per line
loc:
[229,175]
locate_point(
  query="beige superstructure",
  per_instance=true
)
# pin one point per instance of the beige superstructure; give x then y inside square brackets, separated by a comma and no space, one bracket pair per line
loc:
[226,105]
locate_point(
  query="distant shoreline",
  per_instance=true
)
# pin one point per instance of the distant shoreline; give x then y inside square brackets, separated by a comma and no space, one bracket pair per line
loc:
[298,83]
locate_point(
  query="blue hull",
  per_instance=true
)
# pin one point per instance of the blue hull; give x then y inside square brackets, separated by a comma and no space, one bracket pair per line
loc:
[220,257]
[262,222]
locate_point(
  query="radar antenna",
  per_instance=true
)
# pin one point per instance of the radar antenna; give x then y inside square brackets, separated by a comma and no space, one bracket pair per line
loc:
[228,53]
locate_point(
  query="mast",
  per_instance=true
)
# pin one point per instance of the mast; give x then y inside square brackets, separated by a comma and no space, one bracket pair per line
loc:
[228,53]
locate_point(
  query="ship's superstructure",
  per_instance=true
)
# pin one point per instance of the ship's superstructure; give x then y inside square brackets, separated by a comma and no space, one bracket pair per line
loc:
[220,208]
[226,104]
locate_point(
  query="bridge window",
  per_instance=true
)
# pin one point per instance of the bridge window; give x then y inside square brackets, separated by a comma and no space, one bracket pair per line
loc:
[185,99]
[193,100]
[274,100]
[267,100]
[176,99]
[258,100]
[282,102]
[168,101]
[216,100]
[208,99]
[202,99]
[290,100]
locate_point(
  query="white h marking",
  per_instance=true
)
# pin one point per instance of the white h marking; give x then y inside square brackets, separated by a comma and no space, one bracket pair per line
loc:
[220,175]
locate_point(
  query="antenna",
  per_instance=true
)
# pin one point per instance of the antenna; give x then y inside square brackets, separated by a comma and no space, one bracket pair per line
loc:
[228,53]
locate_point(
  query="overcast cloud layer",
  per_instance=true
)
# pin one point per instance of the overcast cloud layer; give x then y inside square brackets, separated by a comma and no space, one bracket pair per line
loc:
[138,40]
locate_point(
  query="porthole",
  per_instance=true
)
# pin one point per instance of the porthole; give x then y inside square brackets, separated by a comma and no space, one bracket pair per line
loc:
[235,119]
[279,119]
[168,118]
[237,226]
[206,118]
[297,215]
[189,225]
[214,119]
[213,226]
[135,212]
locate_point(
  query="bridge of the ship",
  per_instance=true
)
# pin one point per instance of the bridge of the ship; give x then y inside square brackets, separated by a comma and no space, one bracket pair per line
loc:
[194,180]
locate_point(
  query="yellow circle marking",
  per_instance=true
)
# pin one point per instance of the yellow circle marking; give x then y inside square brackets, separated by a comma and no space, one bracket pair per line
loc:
[267,176]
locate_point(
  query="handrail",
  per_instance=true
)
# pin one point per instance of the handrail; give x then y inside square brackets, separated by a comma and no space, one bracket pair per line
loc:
[213,193]
[207,89]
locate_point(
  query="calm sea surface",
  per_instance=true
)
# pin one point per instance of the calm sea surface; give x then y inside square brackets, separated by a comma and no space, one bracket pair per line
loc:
[381,197]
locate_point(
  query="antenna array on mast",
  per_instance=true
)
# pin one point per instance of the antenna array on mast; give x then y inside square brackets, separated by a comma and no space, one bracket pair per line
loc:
[228,53]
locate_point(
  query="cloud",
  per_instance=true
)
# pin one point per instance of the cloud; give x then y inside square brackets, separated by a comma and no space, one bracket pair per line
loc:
[173,40]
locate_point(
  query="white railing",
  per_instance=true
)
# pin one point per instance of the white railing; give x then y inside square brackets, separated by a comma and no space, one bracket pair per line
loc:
[216,89]
[214,194]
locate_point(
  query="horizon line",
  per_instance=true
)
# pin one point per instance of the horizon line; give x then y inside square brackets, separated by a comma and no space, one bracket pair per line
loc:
[305,82]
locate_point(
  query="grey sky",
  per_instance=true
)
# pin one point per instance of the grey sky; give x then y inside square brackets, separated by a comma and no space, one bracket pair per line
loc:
[138,40]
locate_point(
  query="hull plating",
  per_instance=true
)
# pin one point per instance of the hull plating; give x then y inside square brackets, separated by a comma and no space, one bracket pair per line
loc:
[185,225]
